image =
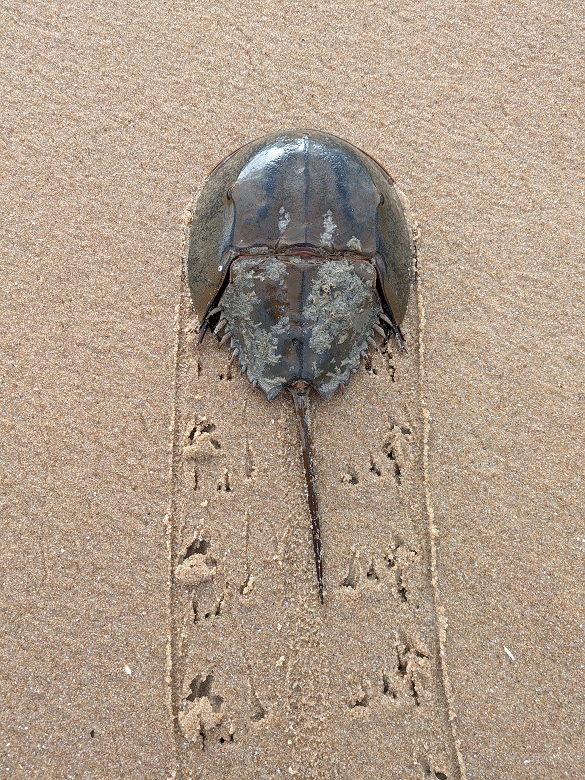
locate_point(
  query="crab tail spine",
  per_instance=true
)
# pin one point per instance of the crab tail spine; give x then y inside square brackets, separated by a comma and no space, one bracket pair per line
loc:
[300,394]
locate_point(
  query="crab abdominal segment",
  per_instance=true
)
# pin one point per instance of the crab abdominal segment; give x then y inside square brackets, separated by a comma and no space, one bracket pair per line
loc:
[298,318]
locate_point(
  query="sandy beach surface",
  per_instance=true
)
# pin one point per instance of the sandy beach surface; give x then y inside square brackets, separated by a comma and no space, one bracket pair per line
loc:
[159,609]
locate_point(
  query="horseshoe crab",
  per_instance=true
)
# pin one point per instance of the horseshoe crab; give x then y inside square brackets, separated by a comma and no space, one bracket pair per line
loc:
[299,251]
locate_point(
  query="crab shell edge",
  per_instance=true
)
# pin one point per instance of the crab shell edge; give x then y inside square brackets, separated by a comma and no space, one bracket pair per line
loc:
[298,187]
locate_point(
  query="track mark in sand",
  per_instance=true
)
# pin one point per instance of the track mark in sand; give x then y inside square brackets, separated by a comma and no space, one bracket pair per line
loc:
[432,536]
[250,647]
[400,560]
[373,467]
[394,449]
[412,672]
[200,439]
[361,698]
[431,770]
[203,714]
[258,712]
[394,568]
[405,683]
[197,564]
[353,572]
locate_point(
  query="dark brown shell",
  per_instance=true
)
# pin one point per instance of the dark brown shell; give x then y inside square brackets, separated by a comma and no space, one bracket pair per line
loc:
[301,189]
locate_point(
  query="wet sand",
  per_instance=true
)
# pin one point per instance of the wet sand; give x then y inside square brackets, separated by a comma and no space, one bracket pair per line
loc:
[160,616]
